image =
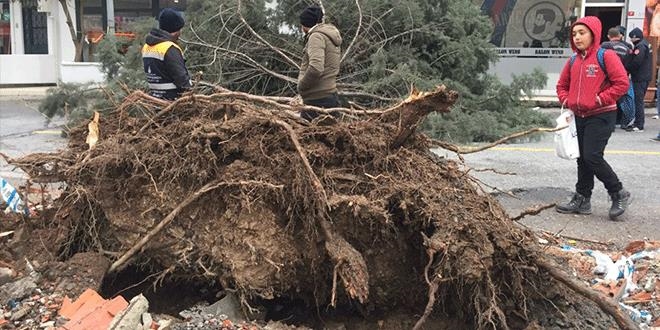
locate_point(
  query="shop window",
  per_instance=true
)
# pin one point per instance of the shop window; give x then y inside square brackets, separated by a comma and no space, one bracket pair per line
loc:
[5,28]
[128,11]
[35,30]
[534,23]
[177,4]
[93,29]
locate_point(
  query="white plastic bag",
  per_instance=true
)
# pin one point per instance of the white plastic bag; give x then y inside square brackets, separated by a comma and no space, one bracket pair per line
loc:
[566,141]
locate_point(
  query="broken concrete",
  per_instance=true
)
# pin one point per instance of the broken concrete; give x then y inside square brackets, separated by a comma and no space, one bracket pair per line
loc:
[131,317]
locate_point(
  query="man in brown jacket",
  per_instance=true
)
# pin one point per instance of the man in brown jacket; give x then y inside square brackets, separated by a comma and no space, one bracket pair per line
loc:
[317,80]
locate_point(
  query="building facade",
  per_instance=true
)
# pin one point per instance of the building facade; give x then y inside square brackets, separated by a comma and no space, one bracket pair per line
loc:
[531,34]
[36,46]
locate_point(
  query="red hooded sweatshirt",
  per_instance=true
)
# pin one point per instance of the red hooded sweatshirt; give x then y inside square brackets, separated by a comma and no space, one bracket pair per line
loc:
[583,87]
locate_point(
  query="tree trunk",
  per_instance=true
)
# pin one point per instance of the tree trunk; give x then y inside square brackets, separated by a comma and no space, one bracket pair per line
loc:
[72,30]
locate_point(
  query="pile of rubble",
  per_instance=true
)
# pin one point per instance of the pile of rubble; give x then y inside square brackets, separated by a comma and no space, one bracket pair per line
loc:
[631,277]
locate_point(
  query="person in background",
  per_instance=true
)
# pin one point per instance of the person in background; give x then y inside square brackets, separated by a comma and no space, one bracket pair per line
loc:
[624,50]
[163,61]
[591,94]
[640,74]
[317,80]
[657,96]
[618,45]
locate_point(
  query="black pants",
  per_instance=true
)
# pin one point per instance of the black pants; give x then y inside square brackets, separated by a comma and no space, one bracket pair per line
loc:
[593,134]
[640,91]
[331,101]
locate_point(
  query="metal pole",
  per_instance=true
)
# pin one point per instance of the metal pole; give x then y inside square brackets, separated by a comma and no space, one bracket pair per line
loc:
[110,10]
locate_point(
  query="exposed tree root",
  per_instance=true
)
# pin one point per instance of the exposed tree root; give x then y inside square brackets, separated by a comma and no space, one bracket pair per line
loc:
[532,211]
[121,262]
[604,302]
[239,189]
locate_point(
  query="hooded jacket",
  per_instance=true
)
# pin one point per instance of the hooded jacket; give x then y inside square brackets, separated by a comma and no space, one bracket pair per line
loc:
[583,87]
[164,66]
[320,63]
[621,48]
[640,64]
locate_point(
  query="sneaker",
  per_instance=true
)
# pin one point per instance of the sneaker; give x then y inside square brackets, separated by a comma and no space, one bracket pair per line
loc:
[637,129]
[620,202]
[656,139]
[628,128]
[656,117]
[578,204]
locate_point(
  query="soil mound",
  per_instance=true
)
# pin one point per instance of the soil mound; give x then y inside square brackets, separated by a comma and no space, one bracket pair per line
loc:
[355,212]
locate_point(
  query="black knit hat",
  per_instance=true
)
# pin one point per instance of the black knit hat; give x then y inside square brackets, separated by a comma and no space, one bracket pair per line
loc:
[311,16]
[170,20]
[636,33]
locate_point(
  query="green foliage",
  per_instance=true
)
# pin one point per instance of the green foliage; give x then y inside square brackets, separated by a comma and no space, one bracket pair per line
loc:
[71,100]
[390,45]
[220,47]
[121,62]
[495,113]
[121,57]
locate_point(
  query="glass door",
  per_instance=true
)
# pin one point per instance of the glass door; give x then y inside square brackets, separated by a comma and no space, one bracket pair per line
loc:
[35,30]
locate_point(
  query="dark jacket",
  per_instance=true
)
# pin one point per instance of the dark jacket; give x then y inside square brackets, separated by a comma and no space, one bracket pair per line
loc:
[640,64]
[621,48]
[164,66]
[320,63]
[583,86]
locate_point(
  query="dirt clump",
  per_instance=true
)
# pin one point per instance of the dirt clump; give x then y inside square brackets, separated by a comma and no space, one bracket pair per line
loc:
[355,214]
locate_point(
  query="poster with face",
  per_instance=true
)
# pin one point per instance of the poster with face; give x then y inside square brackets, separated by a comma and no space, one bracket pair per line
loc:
[531,23]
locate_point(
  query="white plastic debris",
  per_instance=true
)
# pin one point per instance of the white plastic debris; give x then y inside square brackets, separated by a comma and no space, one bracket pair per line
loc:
[643,317]
[626,269]
[645,255]
[11,197]
[604,265]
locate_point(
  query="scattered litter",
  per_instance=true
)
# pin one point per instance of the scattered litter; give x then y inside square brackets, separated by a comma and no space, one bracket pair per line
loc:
[11,197]
[633,280]
[643,317]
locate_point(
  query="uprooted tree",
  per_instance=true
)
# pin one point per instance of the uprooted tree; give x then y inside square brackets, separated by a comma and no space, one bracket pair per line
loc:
[236,188]
[388,46]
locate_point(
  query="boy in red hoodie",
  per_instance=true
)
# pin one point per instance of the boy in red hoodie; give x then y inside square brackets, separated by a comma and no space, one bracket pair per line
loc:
[591,94]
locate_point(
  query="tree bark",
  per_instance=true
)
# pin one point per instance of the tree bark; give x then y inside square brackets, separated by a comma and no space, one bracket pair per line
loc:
[72,29]
[606,304]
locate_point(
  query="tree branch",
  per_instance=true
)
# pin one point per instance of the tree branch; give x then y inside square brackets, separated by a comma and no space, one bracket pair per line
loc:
[532,211]
[471,150]
[275,49]
[247,58]
[357,32]
[605,303]
[117,265]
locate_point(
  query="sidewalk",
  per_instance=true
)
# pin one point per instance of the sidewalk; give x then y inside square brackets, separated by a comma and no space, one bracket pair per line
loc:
[23,93]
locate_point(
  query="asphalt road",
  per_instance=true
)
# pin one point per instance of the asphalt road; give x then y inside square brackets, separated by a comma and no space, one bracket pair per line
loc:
[542,178]
[24,130]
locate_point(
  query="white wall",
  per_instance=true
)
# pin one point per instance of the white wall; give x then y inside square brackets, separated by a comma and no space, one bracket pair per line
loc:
[76,72]
[66,48]
[28,69]
[19,68]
